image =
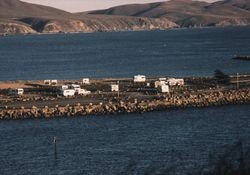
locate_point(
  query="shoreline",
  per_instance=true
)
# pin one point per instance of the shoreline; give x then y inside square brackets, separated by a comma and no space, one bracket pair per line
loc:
[197,93]
[118,31]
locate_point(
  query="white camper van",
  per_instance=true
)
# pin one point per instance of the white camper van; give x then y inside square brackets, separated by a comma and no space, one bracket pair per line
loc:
[83,92]
[139,78]
[68,92]
[85,81]
[17,91]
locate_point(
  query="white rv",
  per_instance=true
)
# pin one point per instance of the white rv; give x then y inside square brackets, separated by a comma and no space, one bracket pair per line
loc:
[85,81]
[159,83]
[114,87]
[17,91]
[54,82]
[68,92]
[64,87]
[139,78]
[47,82]
[83,92]
[174,82]
[164,88]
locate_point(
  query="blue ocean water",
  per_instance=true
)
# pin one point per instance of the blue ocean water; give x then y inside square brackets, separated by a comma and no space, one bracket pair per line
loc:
[178,52]
[166,142]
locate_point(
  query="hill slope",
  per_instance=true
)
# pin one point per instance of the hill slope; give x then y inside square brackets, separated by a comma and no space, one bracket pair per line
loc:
[21,17]
[189,13]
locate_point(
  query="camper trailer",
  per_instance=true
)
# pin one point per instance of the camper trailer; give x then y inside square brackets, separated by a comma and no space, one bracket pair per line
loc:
[85,81]
[64,87]
[159,83]
[175,82]
[114,88]
[164,88]
[17,91]
[47,82]
[83,92]
[68,92]
[54,82]
[139,78]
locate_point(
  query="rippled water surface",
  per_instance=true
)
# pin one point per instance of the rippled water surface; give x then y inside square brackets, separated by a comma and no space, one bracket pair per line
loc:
[183,52]
[179,140]
[166,142]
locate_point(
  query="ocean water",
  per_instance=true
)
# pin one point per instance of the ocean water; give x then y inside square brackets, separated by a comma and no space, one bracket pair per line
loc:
[189,141]
[167,142]
[178,52]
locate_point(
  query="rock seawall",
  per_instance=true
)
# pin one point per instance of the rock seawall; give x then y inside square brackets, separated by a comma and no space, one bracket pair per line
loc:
[197,99]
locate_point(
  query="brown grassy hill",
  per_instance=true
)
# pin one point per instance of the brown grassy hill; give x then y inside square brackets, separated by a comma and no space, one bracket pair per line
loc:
[18,9]
[188,12]
[20,17]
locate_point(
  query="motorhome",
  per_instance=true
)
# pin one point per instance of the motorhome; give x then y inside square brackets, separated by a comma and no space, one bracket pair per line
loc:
[175,81]
[16,91]
[54,82]
[47,82]
[85,81]
[139,78]
[83,92]
[114,87]
[68,92]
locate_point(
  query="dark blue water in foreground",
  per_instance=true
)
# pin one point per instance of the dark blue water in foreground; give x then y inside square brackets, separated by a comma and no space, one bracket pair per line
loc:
[124,144]
[167,142]
[182,52]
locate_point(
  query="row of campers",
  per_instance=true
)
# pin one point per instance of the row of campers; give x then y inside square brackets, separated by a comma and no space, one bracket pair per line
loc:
[73,89]
[169,81]
[50,82]
[55,82]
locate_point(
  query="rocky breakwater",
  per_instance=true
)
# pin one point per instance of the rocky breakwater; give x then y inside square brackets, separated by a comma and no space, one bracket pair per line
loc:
[186,99]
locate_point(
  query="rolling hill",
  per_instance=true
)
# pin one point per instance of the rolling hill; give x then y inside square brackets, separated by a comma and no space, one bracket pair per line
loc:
[188,13]
[17,17]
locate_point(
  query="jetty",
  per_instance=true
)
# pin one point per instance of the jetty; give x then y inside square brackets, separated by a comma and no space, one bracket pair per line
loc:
[40,99]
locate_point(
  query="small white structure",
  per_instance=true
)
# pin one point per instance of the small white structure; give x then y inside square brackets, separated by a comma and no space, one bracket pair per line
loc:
[47,82]
[85,81]
[139,78]
[162,79]
[174,82]
[181,82]
[83,92]
[54,82]
[74,86]
[68,92]
[17,91]
[114,87]
[164,88]
[64,87]
[160,83]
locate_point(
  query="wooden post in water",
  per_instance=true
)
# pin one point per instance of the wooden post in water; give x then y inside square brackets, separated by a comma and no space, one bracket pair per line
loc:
[55,147]
[118,89]
[237,80]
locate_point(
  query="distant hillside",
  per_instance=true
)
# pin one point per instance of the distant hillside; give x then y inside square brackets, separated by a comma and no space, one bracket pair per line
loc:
[18,9]
[188,13]
[17,17]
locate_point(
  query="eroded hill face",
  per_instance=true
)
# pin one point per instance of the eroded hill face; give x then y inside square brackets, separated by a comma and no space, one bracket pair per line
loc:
[188,13]
[17,17]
